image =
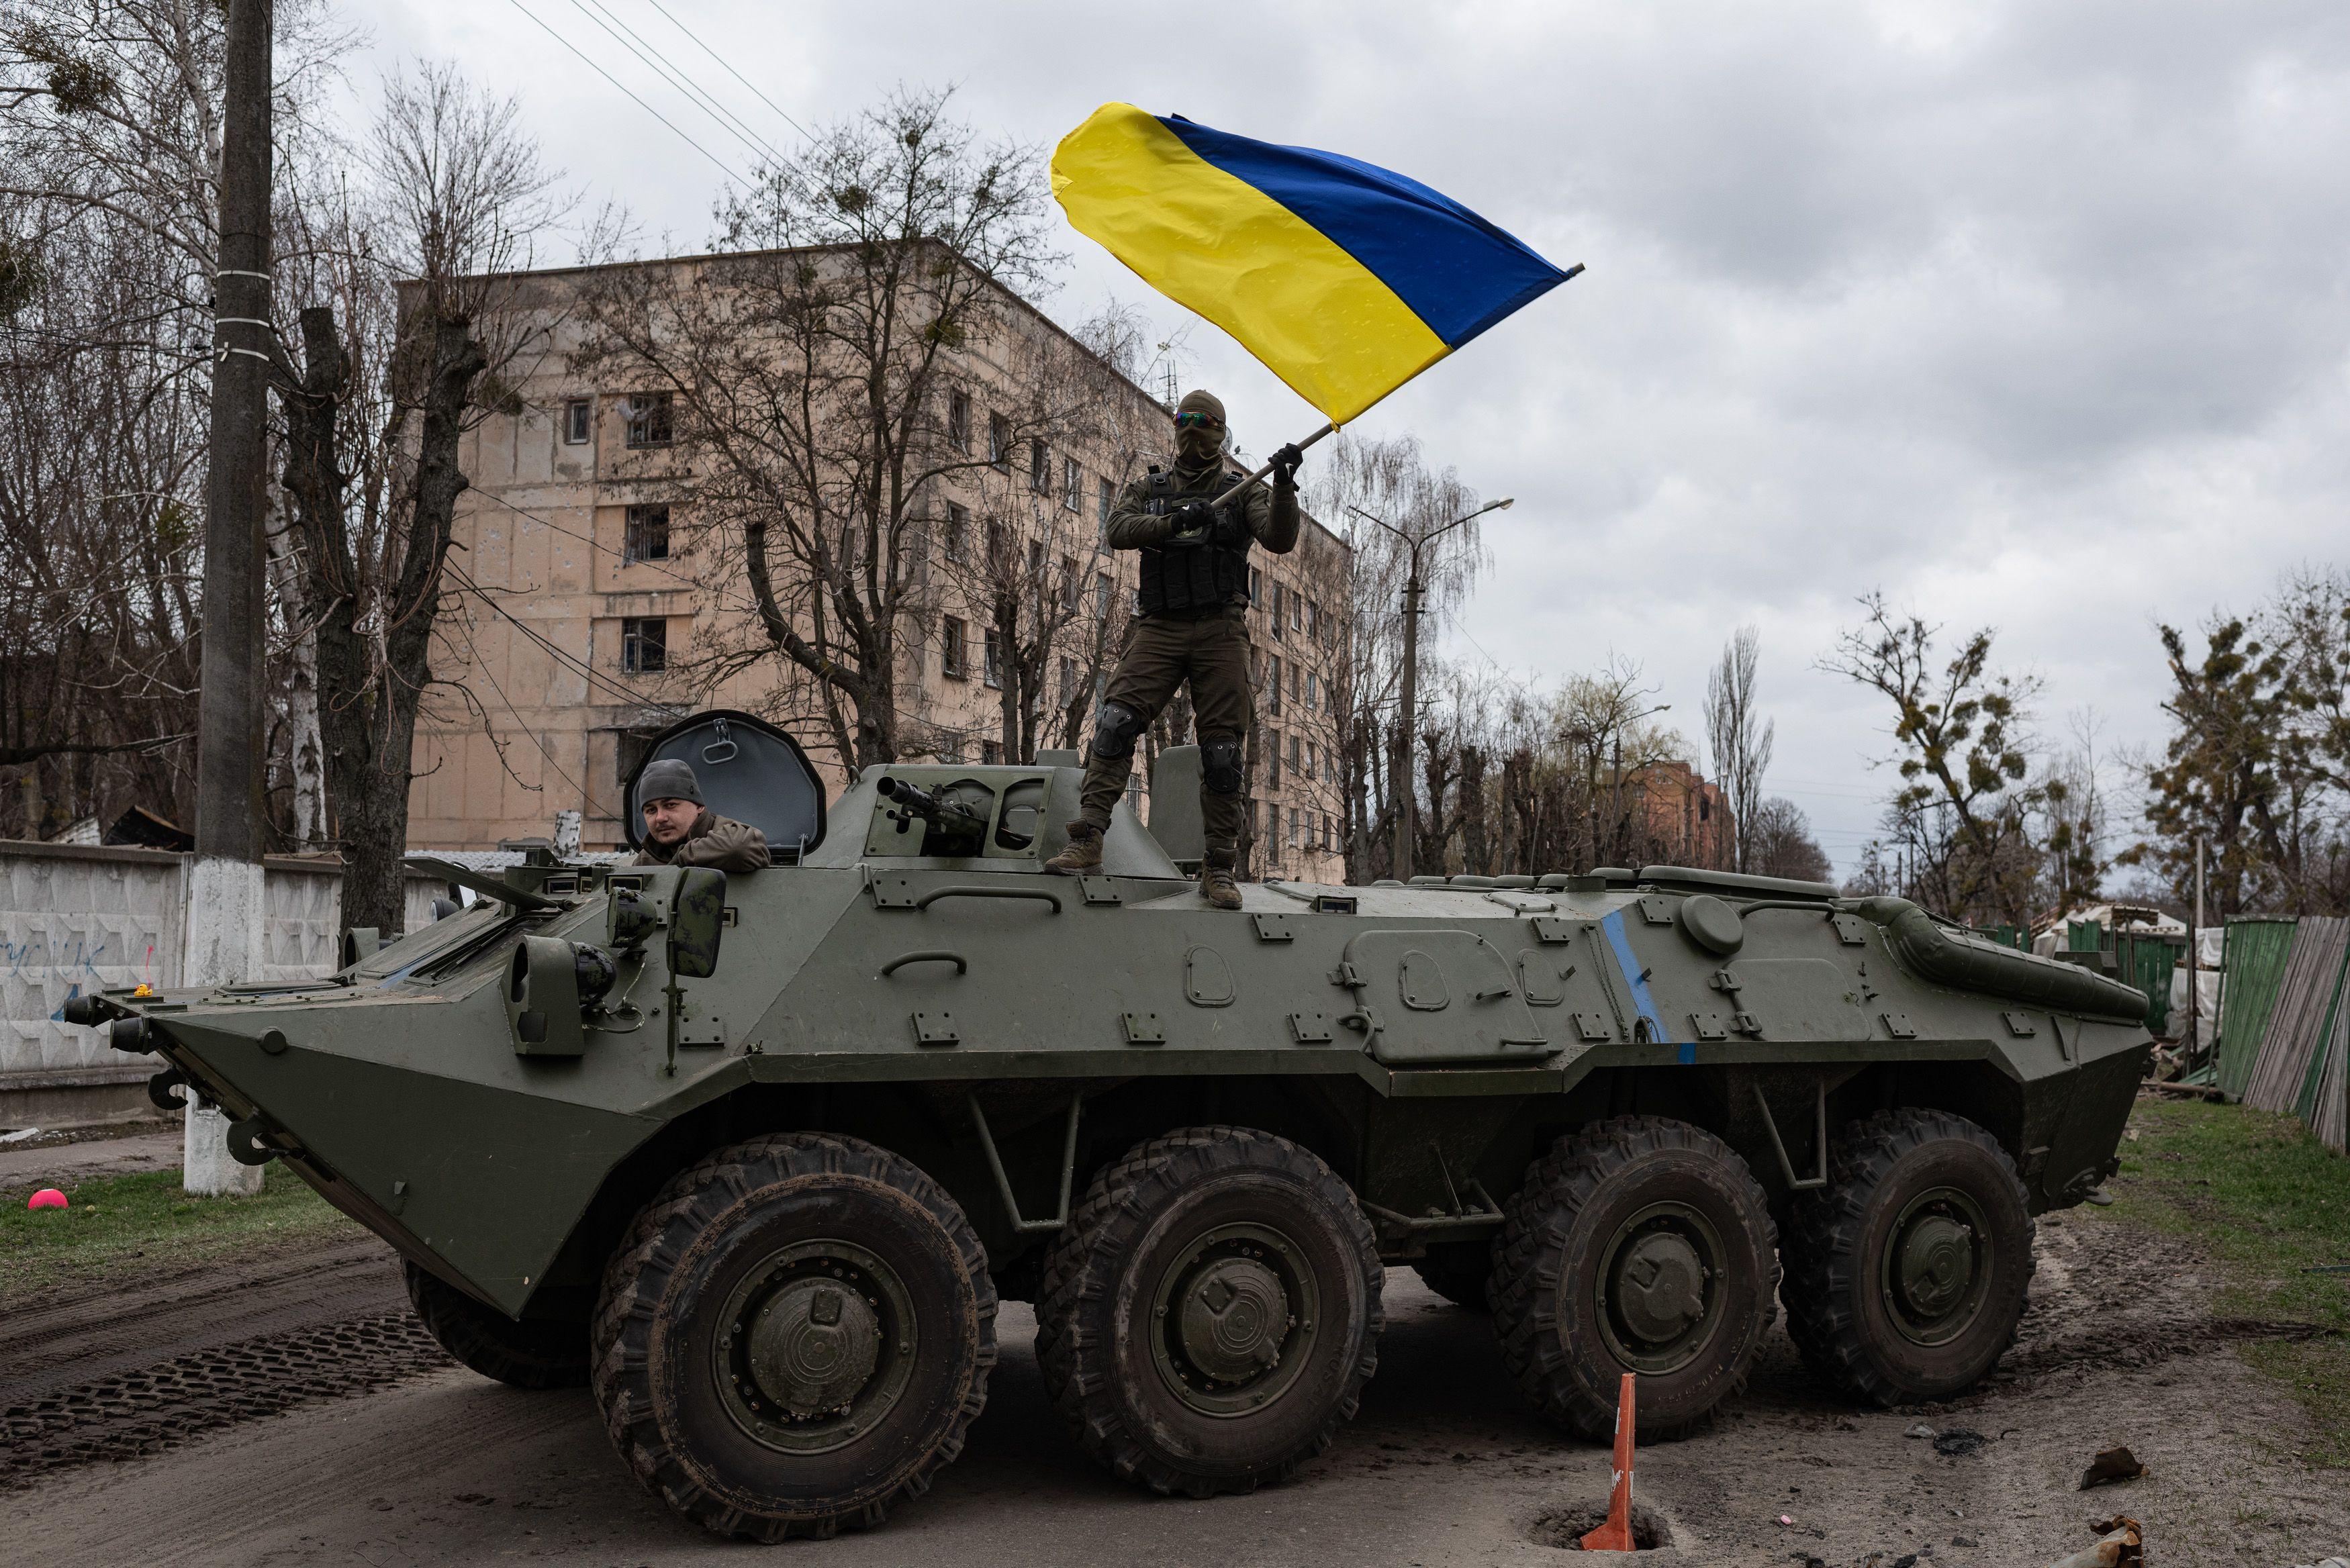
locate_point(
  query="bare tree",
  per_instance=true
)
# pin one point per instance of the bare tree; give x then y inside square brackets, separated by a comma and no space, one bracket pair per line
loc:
[814,373]
[1033,571]
[1963,736]
[1389,479]
[392,374]
[1738,736]
[1780,843]
[110,131]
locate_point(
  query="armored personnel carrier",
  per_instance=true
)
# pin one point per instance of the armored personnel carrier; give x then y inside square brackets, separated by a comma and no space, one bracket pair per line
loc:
[756,1158]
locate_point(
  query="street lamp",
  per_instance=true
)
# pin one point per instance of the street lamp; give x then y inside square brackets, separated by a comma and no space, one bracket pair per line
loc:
[1409,705]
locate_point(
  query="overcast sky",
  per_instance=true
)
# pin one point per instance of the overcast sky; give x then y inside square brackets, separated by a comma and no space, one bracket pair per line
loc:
[2032,315]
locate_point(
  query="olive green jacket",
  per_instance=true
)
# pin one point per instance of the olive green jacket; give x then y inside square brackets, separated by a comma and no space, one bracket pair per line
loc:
[1271,511]
[715,841]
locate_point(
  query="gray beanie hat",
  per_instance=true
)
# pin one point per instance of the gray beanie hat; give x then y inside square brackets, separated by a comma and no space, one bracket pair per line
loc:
[669,779]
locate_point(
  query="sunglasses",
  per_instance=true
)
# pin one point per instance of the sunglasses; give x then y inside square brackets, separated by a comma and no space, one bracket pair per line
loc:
[1198,421]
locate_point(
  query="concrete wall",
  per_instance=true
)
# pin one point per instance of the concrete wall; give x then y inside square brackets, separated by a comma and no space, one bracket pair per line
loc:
[77,917]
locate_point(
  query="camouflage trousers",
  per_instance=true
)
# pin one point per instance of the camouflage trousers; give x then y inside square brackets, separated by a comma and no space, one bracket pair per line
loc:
[1162,654]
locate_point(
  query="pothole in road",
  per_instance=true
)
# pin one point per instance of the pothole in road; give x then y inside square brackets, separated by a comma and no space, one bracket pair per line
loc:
[1566,1527]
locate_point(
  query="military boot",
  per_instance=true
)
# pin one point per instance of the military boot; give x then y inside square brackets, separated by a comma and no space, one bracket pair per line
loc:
[1218,886]
[1083,853]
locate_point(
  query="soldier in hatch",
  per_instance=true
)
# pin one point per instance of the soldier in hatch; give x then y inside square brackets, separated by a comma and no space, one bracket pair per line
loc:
[1192,627]
[680,830]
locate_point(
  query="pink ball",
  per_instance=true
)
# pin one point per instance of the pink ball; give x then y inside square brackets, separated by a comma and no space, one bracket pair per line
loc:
[46,1198]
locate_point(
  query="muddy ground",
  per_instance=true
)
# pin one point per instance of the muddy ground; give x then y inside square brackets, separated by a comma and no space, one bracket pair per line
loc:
[283,1412]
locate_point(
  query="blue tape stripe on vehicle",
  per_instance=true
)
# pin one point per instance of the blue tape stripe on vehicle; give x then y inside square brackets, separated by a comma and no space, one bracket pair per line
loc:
[1642,1002]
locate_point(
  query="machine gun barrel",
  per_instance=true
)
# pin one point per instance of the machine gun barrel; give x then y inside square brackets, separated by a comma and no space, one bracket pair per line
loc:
[915,801]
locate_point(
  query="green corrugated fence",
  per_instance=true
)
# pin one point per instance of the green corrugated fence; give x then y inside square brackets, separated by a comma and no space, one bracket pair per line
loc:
[2305,1104]
[2253,961]
[2151,960]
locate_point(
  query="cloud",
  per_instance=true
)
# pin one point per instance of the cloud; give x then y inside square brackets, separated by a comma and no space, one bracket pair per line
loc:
[2033,315]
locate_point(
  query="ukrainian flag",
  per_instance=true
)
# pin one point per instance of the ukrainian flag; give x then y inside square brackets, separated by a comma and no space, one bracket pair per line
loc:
[1346,279]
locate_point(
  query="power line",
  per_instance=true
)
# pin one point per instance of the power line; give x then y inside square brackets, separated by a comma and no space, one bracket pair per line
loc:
[730,71]
[675,76]
[519,723]
[559,656]
[723,167]
[587,539]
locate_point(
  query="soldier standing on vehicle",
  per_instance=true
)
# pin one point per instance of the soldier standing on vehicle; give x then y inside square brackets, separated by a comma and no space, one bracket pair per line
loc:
[680,830]
[1192,627]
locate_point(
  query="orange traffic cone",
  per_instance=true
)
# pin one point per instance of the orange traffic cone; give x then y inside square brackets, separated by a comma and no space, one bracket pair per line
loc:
[1615,1535]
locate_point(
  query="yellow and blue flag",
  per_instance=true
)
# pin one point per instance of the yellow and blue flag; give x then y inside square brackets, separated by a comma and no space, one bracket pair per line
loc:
[1346,279]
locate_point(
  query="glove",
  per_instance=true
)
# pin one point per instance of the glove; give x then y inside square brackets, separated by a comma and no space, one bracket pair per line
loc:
[1285,464]
[1189,523]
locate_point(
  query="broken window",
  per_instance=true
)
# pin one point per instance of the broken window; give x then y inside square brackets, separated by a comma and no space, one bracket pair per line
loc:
[649,420]
[958,420]
[999,441]
[1073,483]
[644,646]
[1040,468]
[993,672]
[951,646]
[647,536]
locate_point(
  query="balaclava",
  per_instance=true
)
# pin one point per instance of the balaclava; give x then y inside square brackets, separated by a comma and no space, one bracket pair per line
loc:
[1196,449]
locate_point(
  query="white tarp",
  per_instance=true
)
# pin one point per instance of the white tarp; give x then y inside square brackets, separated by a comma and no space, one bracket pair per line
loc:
[2207,987]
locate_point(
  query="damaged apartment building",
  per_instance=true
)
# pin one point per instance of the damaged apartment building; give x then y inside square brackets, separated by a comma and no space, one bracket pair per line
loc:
[609,587]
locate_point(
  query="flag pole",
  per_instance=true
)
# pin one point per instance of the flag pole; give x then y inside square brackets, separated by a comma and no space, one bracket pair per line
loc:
[1259,474]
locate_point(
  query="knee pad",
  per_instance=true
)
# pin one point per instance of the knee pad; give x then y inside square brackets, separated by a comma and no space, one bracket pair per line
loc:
[1219,764]
[1115,729]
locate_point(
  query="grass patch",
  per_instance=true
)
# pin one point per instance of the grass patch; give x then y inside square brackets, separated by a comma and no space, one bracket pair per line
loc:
[121,1226]
[2269,1202]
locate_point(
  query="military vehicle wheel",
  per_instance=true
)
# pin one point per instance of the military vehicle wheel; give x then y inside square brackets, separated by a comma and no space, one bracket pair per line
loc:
[1210,1312]
[533,1353]
[1457,1270]
[1906,1275]
[795,1336]
[1637,1244]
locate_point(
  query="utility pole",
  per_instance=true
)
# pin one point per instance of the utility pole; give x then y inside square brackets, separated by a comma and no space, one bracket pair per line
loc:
[224,893]
[1407,722]
[1407,704]
[2195,961]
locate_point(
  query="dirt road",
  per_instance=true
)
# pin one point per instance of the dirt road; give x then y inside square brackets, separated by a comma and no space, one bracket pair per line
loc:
[437,1466]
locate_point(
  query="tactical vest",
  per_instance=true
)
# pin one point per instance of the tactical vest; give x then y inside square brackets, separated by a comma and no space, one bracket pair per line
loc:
[1190,580]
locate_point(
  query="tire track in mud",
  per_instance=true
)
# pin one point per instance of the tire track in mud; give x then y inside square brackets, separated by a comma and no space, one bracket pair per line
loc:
[2106,1297]
[133,1414]
[52,1341]
[123,1370]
